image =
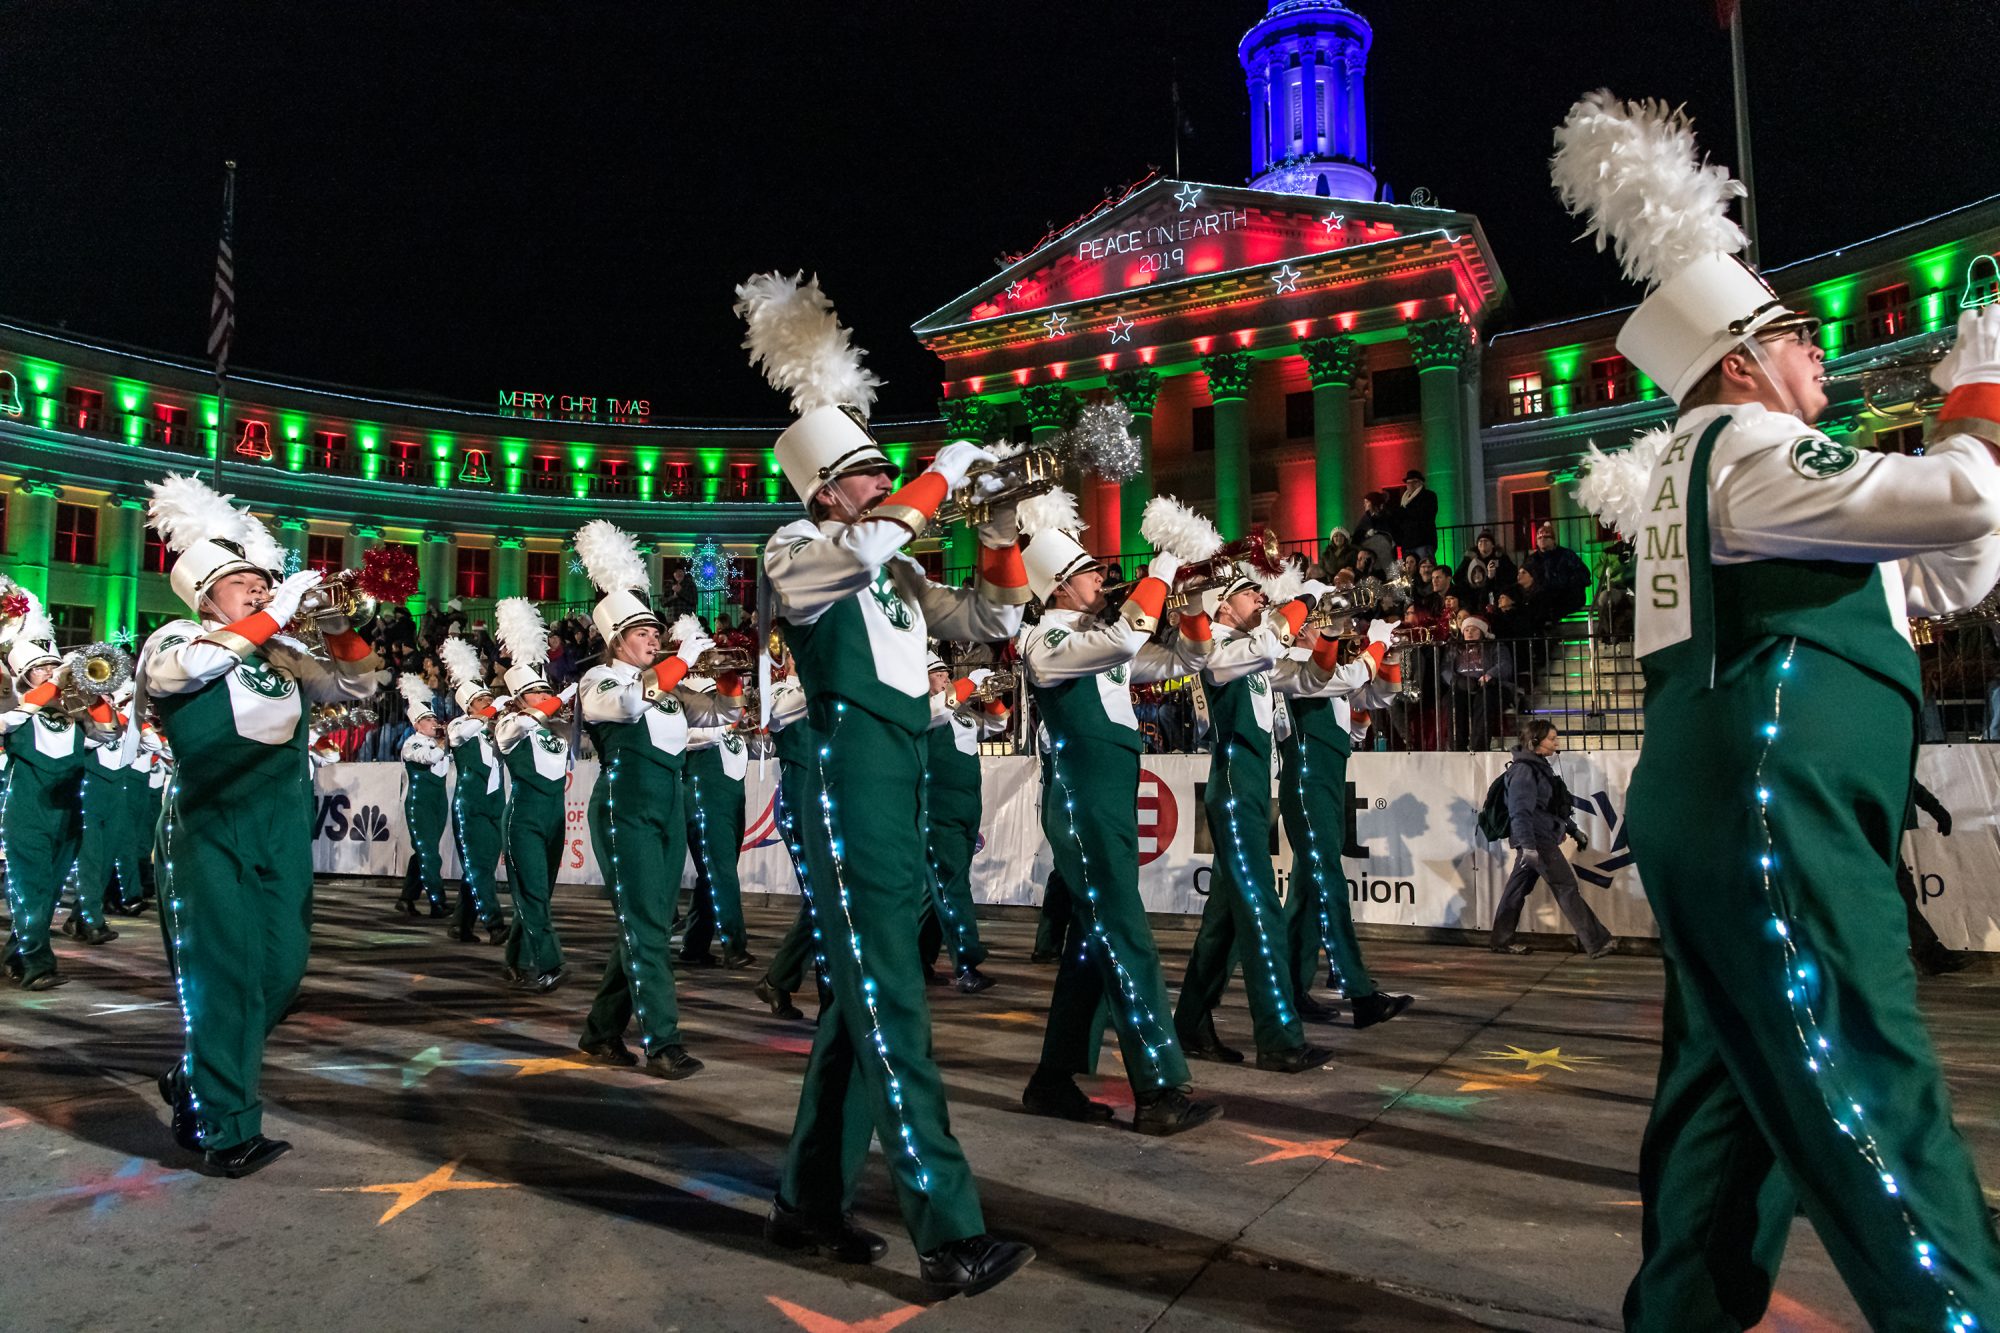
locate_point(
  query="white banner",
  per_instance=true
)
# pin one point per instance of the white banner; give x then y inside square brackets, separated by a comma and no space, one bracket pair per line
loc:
[1412,816]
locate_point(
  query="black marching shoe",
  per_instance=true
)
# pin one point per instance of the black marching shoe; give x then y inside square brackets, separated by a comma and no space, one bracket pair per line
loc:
[1205,1045]
[246,1158]
[672,1062]
[1172,1111]
[611,1052]
[970,1266]
[780,1001]
[1041,956]
[1295,1061]
[548,981]
[513,976]
[96,934]
[173,1091]
[496,932]
[1313,1011]
[790,1229]
[972,981]
[44,981]
[1058,1097]
[72,925]
[406,906]
[438,911]
[738,960]
[1379,1007]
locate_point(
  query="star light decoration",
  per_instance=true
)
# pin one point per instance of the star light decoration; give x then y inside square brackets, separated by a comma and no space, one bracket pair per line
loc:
[1015,288]
[1188,196]
[1057,324]
[1286,279]
[1121,330]
[1333,222]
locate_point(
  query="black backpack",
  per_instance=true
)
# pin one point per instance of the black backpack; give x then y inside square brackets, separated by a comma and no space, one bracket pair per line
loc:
[1493,819]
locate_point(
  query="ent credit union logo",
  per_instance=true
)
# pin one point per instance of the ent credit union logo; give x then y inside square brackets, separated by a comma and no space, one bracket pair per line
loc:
[1159,817]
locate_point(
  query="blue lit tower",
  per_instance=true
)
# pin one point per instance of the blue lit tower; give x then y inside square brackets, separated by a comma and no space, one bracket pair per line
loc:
[1306,62]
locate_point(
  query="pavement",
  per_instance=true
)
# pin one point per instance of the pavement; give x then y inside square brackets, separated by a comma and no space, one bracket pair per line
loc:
[1471,1165]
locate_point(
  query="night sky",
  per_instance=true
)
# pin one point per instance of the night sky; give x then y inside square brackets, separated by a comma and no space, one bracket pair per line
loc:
[454,198]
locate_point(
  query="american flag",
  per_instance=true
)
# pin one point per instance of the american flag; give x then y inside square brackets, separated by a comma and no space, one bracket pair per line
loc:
[222,309]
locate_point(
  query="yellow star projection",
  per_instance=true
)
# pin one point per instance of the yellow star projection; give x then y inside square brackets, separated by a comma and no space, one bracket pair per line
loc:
[410,1193]
[1552,1057]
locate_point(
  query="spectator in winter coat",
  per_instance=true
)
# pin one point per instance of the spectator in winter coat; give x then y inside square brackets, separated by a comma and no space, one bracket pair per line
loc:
[1485,569]
[1375,531]
[1480,675]
[1337,555]
[1538,815]
[1553,578]
[1417,516]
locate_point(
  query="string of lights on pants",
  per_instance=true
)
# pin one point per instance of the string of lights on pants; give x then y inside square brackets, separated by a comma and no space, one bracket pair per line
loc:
[940,900]
[171,905]
[1279,990]
[617,882]
[1847,1112]
[788,826]
[1318,872]
[708,870]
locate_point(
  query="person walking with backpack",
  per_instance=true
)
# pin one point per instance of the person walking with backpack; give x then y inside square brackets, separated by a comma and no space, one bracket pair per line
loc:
[1538,817]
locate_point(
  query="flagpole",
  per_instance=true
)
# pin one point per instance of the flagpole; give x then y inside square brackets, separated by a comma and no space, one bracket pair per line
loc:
[1742,82]
[221,334]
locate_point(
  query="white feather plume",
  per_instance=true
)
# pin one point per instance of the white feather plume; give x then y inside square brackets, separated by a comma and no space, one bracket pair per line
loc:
[415,693]
[687,627]
[461,661]
[1633,171]
[1282,586]
[259,547]
[12,628]
[1614,485]
[184,510]
[796,340]
[1054,512]
[523,636]
[611,557]
[1170,526]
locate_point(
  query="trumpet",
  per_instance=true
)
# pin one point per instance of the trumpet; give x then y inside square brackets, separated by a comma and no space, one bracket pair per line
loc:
[340,716]
[1100,443]
[997,685]
[338,594]
[717,660]
[89,676]
[1260,549]
[1899,385]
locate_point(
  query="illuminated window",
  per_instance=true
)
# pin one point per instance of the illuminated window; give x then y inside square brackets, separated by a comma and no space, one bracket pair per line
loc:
[329,452]
[544,576]
[545,473]
[326,553]
[76,534]
[172,426]
[680,481]
[83,409]
[475,572]
[616,476]
[155,559]
[1610,379]
[1299,415]
[72,625]
[1889,312]
[405,456]
[739,481]
[1524,395]
[1530,511]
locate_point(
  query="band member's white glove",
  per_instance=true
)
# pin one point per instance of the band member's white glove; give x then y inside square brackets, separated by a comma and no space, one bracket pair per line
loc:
[1164,566]
[285,598]
[955,460]
[374,680]
[1316,588]
[978,676]
[1382,632]
[692,648]
[1975,357]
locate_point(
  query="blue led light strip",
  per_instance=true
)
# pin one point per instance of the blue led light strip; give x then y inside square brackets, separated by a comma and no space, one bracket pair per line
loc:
[1243,888]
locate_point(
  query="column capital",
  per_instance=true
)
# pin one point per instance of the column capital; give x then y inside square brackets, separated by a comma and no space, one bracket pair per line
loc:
[367,532]
[1436,344]
[1049,406]
[1137,389]
[974,419]
[46,490]
[293,522]
[509,541]
[122,501]
[1228,375]
[432,537]
[1333,360]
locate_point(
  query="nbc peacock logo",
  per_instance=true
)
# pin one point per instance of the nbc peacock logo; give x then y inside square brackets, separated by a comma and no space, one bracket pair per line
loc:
[368,825]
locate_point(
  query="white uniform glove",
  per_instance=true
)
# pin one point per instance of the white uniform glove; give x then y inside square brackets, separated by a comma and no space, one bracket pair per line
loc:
[692,648]
[978,676]
[955,460]
[1316,589]
[1975,357]
[284,603]
[1164,566]
[1382,632]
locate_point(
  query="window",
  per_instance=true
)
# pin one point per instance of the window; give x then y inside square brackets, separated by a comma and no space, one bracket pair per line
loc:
[475,572]
[1889,312]
[156,559]
[545,473]
[1524,395]
[1204,430]
[1610,379]
[404,456]
[1393,394]
[544,576]
[1902,440]
[76,534]
[616,476]
[1530,511]
[326,553]
[72,625]
[1299,415]
[329,452]
[83,409]
[172,430]
[739,481]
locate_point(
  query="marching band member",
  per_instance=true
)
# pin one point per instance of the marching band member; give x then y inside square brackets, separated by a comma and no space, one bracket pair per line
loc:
[1243,911]
[1777,571]
[804,944]
[232,692]
[856,612]
[637,712]
[145,787]
[105,869]
[712,792]
[1081,666]
[537,758]
[425,766]
[951,827]
[44,830]
[478,802]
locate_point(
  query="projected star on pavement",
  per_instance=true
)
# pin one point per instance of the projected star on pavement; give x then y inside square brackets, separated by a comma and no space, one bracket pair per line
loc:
[409,1193]
[544,1065]
[1458,1107]
[1552,1057]
[812,1321]
[1325,1150]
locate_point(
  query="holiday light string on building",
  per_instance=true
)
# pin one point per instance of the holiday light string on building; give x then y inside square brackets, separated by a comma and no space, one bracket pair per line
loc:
[1819,1055]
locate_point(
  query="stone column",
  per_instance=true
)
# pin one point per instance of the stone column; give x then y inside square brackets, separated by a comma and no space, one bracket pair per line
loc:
[1228,385]
[361,539]
[434,551]
[1334,365]
[33,522]
[122,531]
[1309,102]
[292,533]
[510,566]
[1138,390]
[1438,347]
[1258,153]
[978,421]
[1357,104]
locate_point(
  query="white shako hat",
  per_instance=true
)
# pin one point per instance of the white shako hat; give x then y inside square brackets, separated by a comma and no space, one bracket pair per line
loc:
[1242,579]
[212,536]
[937,662]
[33,646]
[524,638]
[1052,553]
[417,694]
[1632,168]
[611,557]
[466,672]
[796,339]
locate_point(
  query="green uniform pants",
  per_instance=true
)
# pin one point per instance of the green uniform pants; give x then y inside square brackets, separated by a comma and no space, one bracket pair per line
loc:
[801,947]
[1090,819]
[1752,1112]
[105,865]
[637,829]
[44,833]
[952,837]
[871,1071]
[424,814]
[1053,923]
[143,804]
[238,904]
[1242,911]
[476,827]
[535,842]
[715,833]
[1311,801]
